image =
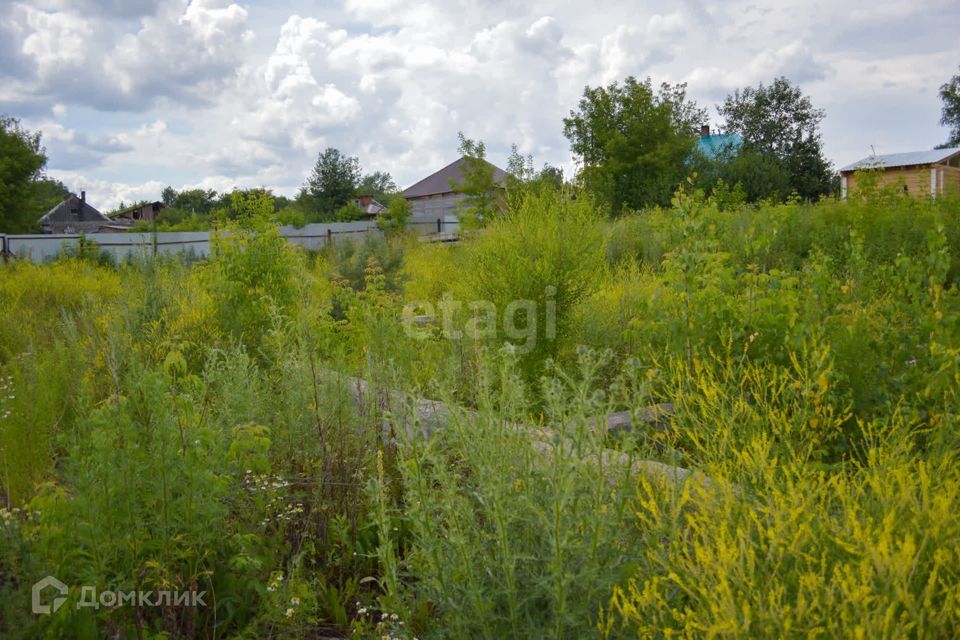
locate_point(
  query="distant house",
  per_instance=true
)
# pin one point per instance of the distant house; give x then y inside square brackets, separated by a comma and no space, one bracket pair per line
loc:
[434,195]
[717,144]
[147,211]
[369,205]
[74,215]
[926,173]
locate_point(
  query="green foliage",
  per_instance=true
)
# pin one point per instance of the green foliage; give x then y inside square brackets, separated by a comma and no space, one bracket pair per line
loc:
[547,253]
[727,197]
[332,183]
[198,426]
[349,212]
[378,184]
[865,552]
[759,175]
[781,124]
[168,196]
[631,142]
[349,260]
[522,177]
[393,220]
[950,114]
[250,207]
[199,201]
[253,275]
[202,210]
[45,194]
[504,541]
[481,201]
[38,391]
[22,158]
[152,489]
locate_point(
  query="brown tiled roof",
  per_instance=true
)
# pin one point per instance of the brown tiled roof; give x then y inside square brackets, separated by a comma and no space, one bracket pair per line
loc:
[439,182]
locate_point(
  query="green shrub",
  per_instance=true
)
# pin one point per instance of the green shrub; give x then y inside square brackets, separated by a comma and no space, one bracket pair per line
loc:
[349,260]
[253,278]
[499,539]
[393,219]
[146,507]
[39,396]
[546,254]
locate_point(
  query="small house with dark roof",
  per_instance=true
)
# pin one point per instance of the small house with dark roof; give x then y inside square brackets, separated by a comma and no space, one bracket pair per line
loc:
[437,195]
[74,215]
[922,173]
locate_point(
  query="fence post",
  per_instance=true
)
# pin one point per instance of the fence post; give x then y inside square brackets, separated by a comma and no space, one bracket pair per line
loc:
[329,235]
[439,225]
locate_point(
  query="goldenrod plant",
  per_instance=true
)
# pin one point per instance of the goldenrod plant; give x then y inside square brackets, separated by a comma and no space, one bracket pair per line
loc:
[405,439]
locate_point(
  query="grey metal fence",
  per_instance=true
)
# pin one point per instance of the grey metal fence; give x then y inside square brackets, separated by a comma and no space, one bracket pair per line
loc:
[313,237]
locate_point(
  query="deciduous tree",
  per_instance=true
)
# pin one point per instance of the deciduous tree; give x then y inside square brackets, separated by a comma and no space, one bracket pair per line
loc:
[378,184]
[199,201]
[477,183]
[632,142]
[950,115]
[22,159]
[168,196]
[781,123]
[522,178]
[332,183]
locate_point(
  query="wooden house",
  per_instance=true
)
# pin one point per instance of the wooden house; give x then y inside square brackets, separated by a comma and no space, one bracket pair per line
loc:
[922,173]
[144,211]
[74,215]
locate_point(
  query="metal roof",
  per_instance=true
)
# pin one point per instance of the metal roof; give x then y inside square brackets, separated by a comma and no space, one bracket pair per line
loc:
[909,159]
[439,182]
[712,146]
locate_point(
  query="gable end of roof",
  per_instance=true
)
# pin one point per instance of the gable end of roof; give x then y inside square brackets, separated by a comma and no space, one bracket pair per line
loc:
[439,182]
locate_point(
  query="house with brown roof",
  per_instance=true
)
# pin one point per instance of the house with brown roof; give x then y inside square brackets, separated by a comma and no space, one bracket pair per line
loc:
[922,173]
[436,195]
[370,206]
[74,215]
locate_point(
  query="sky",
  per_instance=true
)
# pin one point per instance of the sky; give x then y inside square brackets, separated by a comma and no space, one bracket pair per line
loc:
[134,95]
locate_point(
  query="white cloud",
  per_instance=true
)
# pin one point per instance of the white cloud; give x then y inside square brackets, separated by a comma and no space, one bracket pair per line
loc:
[232,92]
[56,40]
[106,195]
[182,51]
[186,53]
[794,60]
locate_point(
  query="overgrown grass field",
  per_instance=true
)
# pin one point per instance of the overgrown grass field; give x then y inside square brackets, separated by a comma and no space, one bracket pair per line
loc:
[174,427]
